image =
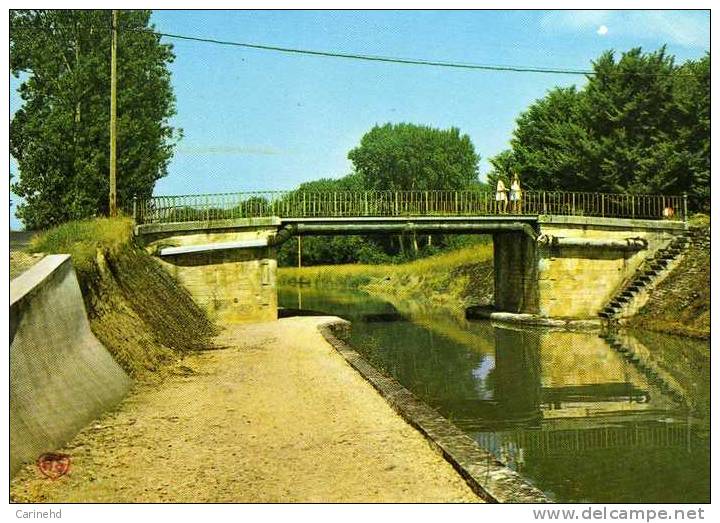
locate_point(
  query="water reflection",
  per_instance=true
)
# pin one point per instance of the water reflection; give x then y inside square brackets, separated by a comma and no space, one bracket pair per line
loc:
[564,408]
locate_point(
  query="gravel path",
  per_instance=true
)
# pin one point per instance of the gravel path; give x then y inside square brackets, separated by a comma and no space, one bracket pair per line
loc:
[277,416]
[21,261]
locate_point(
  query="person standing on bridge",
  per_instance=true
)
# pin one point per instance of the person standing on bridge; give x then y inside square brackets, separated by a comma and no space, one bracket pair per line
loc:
[515,194]
[500,196]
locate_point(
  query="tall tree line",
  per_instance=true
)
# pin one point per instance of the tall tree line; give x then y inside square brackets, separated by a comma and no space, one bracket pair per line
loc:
[641,124]
[60,135]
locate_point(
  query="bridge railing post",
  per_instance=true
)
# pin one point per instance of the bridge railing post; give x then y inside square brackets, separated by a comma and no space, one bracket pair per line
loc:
[135,215]
[685,207]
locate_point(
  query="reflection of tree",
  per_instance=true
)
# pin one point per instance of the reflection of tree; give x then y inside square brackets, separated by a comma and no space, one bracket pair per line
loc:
[431,366]
[517,373]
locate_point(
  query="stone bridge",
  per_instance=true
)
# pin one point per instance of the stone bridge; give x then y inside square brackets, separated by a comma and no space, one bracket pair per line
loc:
[558,255]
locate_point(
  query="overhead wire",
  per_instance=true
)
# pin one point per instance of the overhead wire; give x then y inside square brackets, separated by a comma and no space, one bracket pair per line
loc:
[395,60]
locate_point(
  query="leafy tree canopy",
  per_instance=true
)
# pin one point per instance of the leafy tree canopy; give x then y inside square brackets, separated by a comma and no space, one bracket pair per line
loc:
[415,157]
[640,124]
[60,135]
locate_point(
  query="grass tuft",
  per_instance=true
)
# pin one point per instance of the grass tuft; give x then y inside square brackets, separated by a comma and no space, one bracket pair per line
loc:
[82,239]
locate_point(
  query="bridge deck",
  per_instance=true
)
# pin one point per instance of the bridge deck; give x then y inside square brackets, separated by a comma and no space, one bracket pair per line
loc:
[287,227]
[397,204]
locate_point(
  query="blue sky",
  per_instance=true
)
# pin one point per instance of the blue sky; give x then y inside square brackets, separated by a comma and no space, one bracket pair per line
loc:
[258,120]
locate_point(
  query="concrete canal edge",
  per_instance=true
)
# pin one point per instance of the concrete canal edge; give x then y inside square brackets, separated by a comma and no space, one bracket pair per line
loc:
[61,376]
[486,476]
[484,312]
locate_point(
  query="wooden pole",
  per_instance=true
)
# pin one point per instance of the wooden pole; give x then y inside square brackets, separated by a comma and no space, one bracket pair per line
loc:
[113,116]
[299,251]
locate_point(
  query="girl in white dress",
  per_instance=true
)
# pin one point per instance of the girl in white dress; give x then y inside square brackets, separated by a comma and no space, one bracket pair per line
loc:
[515,194]
[501,196]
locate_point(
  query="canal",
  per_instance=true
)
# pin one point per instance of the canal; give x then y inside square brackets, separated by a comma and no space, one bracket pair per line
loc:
[562,408]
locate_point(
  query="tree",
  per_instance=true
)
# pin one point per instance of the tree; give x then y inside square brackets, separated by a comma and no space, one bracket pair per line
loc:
[60,135]
[641,124]
[548,145]
[415,157]
[692,94]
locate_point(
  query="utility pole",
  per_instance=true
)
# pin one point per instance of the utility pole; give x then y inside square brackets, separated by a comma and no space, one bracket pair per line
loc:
[113,116]
[299,251]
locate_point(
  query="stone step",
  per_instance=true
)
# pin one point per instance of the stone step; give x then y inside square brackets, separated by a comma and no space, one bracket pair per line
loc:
[653,266]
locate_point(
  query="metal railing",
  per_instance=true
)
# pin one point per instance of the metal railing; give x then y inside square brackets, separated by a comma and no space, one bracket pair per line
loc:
[335,204]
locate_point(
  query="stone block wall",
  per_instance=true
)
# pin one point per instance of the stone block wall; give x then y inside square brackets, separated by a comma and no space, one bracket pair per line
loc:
[576,282]
[515,260]
[232,285]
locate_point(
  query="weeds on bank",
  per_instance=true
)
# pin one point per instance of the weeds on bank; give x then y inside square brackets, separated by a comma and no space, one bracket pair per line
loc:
[355,276]
[82,239]
[136,309]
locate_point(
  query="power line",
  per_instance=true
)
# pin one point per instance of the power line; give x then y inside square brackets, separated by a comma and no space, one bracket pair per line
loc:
[405,61]
[390,59]
[374,58]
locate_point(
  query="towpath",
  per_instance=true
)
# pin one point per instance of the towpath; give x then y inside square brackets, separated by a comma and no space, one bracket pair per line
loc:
[277,416]
[20,259]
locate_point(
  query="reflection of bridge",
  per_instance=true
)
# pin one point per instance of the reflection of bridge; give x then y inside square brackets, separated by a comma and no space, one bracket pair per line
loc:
[557,254]
[549,441]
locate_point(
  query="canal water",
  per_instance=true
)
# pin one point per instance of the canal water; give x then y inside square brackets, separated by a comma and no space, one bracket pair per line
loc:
[562,408]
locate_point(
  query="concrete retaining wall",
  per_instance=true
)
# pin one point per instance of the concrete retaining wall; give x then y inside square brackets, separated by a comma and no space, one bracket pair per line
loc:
[61,376]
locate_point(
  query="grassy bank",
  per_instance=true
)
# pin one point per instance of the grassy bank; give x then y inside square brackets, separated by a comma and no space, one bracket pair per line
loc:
[681,303]
[455,279]
[136,309]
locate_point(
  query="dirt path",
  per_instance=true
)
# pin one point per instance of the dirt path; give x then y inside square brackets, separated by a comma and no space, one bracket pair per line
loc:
[277,416]
[21,261]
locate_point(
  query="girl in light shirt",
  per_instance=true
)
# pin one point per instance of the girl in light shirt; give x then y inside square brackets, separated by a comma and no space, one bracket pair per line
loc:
[515,194]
